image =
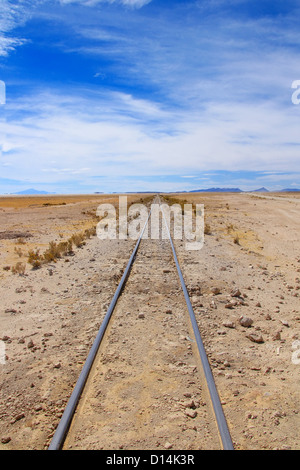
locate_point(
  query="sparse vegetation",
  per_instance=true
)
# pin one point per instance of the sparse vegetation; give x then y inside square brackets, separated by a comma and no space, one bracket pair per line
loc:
[78,239]
[58,250]
[207,229]
[19,252]
[236,240]
[54,251]
[34,258]
[46,204]
[19,268]
[230,227]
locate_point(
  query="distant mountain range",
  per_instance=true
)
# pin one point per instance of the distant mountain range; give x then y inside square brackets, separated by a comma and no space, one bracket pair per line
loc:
[32,191]
[217,190]
[238,190]
[289,190]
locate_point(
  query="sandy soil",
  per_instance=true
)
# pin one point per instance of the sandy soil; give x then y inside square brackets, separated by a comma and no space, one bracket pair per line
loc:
[49,317]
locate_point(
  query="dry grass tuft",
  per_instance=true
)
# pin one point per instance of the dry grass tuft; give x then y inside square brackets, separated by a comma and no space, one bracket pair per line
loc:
[19,268]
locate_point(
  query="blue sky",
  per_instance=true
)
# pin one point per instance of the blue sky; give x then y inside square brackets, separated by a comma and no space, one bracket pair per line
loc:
[137,95]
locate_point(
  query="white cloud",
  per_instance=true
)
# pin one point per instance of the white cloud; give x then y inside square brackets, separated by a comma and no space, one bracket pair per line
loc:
[116,135]
[14,14]
[9,44]
[130,3]
[11,15]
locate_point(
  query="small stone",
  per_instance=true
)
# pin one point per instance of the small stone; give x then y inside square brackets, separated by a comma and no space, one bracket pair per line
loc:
[285,323]
[169,312]
[6,338]
[18,417]
[235,293]
[189,404]
[215,290]
[141,315]
[190,413]
[246,321]
[255,338]
[229,305]
[5,440]
[10,310]
[279,414]
[277,336]
[221,332]
[168,445]
[228,324]
[30,344]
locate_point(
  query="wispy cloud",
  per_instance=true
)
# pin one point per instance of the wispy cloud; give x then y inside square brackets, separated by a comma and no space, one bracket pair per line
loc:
[91,3]
[150,91]
[15,13]
[11,15]
[116,134]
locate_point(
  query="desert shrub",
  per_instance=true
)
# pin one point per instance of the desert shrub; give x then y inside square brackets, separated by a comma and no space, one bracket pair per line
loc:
[236,240]
[51,253]
[90,232]
[62,248]
[70,245]
[34,258]
[57,250]
[78,239]
[19,268]
[18,251]
[207,229]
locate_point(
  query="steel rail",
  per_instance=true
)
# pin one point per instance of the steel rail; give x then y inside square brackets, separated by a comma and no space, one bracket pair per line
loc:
[217,406]
[65,421]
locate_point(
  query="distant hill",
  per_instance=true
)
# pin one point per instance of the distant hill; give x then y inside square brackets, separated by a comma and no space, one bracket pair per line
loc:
[260,190]
[31,191]
[289,190]
[217,190]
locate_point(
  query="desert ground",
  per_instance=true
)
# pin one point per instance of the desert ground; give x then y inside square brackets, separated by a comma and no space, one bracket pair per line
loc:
[244,286]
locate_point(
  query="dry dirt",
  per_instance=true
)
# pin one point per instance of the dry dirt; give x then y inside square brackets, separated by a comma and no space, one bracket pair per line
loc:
[49,318]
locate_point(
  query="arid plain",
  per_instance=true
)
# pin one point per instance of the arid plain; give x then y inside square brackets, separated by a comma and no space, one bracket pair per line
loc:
[244,285]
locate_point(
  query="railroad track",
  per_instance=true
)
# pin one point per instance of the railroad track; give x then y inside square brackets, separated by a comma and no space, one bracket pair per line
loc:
[147,382]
